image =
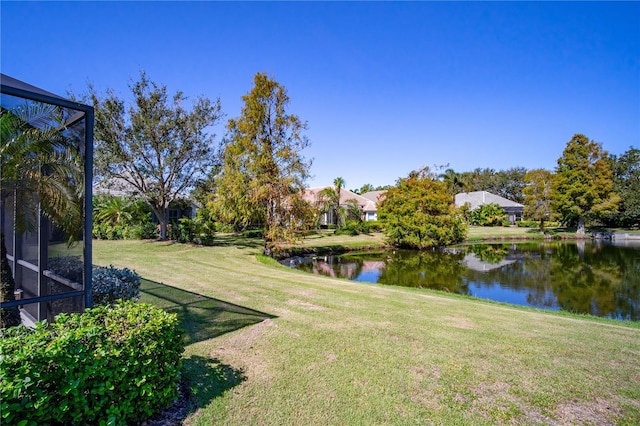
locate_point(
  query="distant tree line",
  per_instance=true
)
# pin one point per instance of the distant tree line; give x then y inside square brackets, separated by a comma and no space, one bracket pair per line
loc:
[253,180]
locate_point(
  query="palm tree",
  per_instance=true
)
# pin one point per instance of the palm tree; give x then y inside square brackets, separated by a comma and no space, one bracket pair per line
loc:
[331,197]
[40,173]
[454,181]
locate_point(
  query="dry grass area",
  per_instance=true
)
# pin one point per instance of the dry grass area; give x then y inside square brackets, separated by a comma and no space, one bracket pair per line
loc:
[271,346]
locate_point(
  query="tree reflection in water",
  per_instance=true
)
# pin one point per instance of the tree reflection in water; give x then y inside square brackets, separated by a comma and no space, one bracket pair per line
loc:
[595,278]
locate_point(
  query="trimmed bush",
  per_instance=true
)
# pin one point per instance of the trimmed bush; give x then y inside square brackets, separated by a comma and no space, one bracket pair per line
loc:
[372,226]
[113,365]
[111,284]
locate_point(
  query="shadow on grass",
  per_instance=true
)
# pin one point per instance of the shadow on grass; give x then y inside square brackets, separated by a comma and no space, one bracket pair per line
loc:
[237,240]
[200,316]
[209,378]
[220,240]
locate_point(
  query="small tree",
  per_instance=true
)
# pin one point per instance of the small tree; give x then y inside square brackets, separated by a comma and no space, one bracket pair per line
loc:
[538,195]
[583,183]
[418,213]
[342,210]
[154,148]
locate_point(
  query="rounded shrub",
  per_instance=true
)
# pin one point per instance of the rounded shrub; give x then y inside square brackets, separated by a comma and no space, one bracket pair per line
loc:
[111,284]
[113,365]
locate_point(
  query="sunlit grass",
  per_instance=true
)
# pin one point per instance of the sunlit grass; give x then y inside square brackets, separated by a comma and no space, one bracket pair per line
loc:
[337,352]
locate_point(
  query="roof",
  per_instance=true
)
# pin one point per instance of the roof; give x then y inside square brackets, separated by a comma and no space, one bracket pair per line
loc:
[312,195]
[118,187]
[375,196]
[479,198]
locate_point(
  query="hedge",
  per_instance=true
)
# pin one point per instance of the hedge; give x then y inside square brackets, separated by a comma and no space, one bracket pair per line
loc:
[111,365]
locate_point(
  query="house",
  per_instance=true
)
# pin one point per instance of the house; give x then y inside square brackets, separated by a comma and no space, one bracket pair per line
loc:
[367,206]
[479,198]
[182,206]
[376,197]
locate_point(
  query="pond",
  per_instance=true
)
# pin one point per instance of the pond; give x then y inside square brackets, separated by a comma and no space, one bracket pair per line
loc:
[590,277]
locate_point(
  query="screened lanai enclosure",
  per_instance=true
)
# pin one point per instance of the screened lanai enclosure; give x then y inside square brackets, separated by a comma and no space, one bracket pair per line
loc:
[45,178]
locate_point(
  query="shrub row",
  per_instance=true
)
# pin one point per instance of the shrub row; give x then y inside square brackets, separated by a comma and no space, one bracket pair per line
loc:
[107,231]
[112,365]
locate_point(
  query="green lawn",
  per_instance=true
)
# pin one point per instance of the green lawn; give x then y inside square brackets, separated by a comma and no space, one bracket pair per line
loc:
[271,346]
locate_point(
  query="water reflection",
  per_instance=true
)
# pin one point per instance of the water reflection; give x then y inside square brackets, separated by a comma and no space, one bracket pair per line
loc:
[597,278]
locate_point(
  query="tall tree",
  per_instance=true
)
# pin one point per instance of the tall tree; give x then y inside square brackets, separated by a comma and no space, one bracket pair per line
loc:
[418,213]
[626,183]
[153,148]
[263,170]
[538,195]
[583,183]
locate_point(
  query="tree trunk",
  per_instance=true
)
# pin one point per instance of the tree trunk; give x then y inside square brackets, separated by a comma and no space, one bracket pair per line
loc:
[580,233]
[9,317]
[164,213]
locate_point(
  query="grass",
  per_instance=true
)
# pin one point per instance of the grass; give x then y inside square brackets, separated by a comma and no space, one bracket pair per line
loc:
[271,346]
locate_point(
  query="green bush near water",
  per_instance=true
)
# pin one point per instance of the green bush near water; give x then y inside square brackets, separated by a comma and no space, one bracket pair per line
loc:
[111,365]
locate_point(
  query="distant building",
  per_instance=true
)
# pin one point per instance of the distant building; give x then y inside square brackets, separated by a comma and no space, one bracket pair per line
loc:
[367,205]
[479,198]
[182,206]
[376,197]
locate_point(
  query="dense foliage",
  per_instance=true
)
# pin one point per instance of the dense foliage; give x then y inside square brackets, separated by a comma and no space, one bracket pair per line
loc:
[263,171]
[626,183]
[538,196]
[583,183]
[112,365]
[505,183]
[488,215]
[116,218]
[418,213]
[155,148]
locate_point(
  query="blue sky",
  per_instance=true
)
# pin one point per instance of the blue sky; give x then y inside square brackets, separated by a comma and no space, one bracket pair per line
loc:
[386,87]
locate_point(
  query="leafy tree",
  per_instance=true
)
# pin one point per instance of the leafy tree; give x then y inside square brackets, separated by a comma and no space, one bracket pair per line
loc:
[538,195]
[454,181]
[479,180]
[154,148]
[263,171]
[488,215]
[418,213]
[505,183]
[583,183]
[626,183]
[40,173]
[510,184]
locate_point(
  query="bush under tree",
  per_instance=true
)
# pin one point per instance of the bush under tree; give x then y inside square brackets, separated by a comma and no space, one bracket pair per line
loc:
[418,213]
